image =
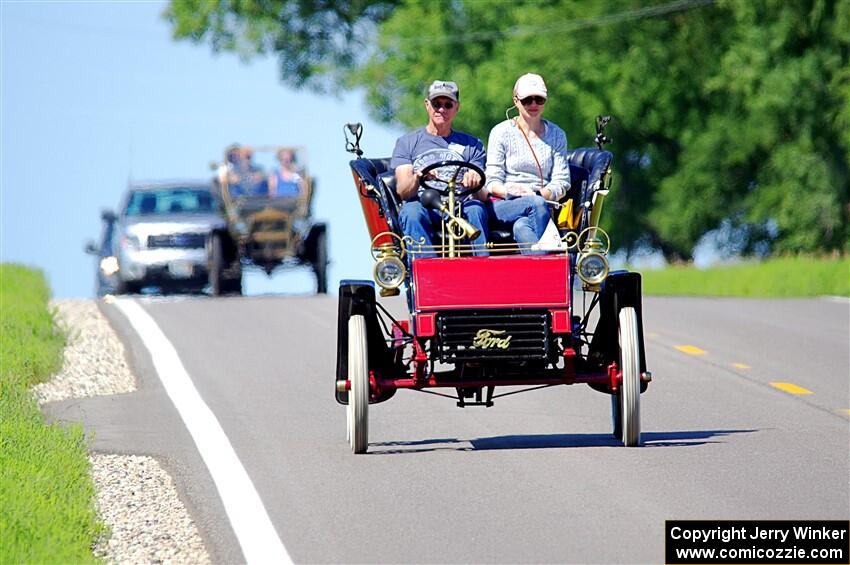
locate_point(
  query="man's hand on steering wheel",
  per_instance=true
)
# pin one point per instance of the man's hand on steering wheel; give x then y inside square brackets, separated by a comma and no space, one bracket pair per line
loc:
[472,180]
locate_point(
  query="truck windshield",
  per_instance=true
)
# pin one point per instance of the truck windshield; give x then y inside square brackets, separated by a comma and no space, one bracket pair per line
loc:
[169,201]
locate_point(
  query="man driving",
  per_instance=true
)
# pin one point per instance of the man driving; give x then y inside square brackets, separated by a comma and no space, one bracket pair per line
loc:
[435,142]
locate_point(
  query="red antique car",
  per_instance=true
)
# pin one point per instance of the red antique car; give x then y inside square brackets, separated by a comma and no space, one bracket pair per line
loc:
[469,337]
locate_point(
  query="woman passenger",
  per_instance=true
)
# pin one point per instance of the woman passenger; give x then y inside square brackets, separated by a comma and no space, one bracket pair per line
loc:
[526,164]
[285,181]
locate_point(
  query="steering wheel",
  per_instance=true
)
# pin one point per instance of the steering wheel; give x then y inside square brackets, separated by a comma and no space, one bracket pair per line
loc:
[443,186]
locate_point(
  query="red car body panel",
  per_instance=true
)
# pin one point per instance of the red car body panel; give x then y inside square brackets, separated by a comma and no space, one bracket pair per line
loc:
[516,281]
[375,221]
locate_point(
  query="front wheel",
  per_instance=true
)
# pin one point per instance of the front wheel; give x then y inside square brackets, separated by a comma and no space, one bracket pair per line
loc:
[126,287]
[629,393]
[358,375]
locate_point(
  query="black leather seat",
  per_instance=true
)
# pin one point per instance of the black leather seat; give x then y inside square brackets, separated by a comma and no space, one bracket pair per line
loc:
[376,172]
[587,165]
[499,235]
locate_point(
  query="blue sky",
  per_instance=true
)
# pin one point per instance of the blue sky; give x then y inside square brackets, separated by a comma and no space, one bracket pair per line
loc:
[95,93]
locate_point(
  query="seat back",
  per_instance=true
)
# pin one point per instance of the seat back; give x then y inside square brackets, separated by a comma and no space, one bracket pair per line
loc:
[377,173]
[384,173]
[595,163]
[381,165]
[588,167]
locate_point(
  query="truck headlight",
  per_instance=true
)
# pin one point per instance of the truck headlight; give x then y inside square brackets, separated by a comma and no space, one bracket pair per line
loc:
[389,272]
[592,268]
[109,266]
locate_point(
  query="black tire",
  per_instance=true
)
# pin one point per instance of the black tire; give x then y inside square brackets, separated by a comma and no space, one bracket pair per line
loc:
[116,290]
[358,373]
[630,385]
[127,287]
[233,286]
[617,415]
[320,262]
[216,265]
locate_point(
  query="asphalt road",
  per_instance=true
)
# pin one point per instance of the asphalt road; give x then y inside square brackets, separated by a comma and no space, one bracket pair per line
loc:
[536,478]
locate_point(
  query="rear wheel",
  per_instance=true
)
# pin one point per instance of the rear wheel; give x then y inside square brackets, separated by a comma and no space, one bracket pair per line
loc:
[320,263]
[348,422]
[216,265]
[234,285]
[617,414]
[629,393]
[358,374]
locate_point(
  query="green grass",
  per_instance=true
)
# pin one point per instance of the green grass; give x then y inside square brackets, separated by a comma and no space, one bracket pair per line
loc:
[775,278]
[47,512]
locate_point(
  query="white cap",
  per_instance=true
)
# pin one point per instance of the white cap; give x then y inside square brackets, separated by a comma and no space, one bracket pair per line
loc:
[530,85]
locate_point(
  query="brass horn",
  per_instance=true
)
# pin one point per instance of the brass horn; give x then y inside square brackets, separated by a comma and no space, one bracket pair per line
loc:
[458,227]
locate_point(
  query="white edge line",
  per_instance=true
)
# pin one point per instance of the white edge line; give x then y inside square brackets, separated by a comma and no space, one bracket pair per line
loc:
[257,536]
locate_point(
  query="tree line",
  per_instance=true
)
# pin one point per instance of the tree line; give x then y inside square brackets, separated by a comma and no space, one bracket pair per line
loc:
[731,114]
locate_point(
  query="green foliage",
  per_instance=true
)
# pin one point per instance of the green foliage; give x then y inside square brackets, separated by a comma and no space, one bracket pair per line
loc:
[47,512]
[46,492]
[30,344]
[775,146]
[726,110]
[784,277]
[315,42]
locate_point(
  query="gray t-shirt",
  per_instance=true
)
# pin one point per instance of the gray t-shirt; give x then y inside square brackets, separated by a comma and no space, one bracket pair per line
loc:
[412,145]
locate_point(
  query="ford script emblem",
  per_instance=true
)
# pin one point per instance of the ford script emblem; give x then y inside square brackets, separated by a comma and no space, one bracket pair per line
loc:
[487,339]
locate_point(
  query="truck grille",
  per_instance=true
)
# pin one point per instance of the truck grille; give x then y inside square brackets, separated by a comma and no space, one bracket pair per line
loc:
[178,240]
[493,335]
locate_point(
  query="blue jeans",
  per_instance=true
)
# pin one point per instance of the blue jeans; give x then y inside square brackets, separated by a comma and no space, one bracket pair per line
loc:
[527,216]
[420,223]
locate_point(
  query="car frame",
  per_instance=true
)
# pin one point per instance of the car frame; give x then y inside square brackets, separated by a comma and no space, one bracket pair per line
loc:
[474,338]
[266,232]
[106,271]
[165,249]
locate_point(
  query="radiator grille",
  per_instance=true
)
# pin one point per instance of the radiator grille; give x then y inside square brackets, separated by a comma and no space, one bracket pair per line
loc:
[493,335]
[177,240]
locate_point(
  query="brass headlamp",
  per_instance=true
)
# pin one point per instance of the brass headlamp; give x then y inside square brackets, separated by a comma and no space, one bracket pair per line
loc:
[389,270]
[592,264]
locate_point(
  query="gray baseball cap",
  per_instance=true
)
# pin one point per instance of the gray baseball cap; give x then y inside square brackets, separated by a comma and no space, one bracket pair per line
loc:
[443,88]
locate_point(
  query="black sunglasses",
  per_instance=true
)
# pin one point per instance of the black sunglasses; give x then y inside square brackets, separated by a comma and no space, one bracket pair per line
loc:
[440,105]
[539,100]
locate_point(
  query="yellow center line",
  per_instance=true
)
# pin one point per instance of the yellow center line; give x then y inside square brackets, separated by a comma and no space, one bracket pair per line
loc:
[791,388]
[741,366]
[691,350]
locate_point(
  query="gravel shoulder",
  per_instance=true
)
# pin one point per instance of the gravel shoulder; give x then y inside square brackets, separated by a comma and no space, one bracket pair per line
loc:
[136,497]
